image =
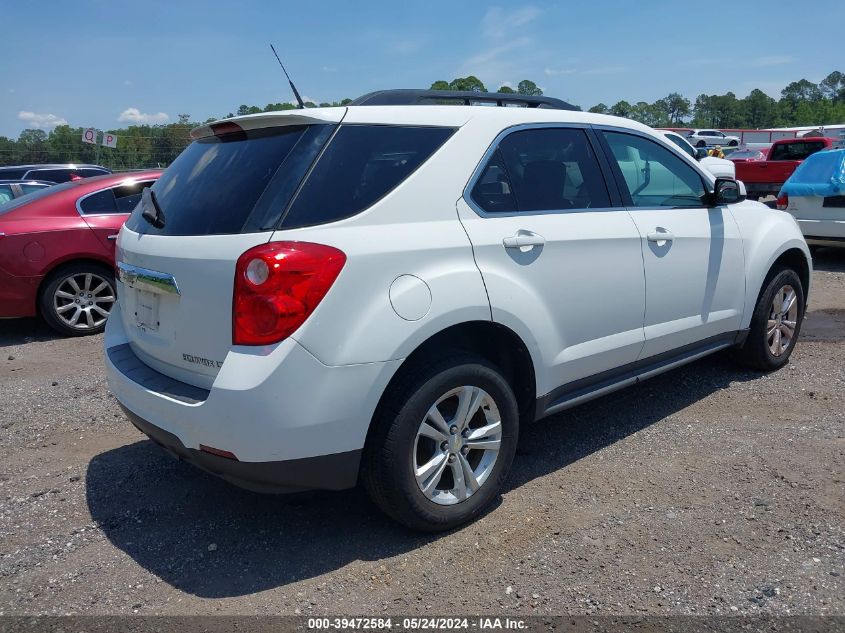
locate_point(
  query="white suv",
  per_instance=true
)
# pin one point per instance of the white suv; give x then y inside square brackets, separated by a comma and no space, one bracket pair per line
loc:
[709,138]
[384,294]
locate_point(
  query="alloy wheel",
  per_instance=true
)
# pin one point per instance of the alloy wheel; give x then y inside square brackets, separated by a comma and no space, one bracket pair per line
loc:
[457,445]
[83,301]
[783,319]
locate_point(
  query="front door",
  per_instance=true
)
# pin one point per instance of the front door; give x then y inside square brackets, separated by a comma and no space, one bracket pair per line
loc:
[562,267]
[693,256]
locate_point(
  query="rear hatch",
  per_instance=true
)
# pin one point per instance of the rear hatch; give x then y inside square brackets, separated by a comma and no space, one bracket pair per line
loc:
[223,195]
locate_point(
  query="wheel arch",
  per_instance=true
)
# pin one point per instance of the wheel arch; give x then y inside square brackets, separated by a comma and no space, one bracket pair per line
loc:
[59,265]
[493,341]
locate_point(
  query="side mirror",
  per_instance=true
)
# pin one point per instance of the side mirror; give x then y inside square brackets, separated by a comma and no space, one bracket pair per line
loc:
[700,152]
[727,191]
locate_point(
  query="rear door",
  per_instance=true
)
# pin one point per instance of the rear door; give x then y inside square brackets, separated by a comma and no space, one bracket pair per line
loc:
[105,211]
[693,255]
[562,265]
[223,195]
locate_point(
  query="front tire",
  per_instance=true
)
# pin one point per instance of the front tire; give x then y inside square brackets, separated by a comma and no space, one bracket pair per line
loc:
[442,443]
[76,299]
[776,322]
[733,143]
[701,144]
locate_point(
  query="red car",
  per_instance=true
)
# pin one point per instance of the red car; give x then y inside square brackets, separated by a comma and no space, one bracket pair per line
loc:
[57,250]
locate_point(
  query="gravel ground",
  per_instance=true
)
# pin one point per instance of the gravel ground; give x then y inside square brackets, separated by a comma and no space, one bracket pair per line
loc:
[708,490]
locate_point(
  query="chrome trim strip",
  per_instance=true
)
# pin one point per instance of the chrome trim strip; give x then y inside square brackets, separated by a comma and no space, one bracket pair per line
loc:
[146,279]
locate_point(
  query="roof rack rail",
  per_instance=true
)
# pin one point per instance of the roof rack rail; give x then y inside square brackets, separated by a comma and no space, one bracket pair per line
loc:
[411,96]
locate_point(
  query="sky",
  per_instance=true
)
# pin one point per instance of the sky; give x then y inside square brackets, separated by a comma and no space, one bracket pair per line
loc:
[109,64]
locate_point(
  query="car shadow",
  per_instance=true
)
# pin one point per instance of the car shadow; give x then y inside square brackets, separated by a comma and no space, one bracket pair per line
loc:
[21,331]
[829,259]
[210,539]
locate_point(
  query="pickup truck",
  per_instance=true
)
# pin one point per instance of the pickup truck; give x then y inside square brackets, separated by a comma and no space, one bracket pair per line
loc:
[765,177]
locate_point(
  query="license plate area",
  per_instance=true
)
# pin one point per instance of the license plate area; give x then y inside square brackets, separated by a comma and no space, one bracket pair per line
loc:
[146,310]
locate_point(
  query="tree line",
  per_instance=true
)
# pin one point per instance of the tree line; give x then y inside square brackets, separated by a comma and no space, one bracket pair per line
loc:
[801,103]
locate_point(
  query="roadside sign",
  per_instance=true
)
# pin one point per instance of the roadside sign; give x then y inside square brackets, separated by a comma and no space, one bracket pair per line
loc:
[109,140]
[89,135]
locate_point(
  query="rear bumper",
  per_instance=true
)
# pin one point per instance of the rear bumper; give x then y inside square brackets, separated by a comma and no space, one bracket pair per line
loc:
[17,295]
[291,421]
[327,472]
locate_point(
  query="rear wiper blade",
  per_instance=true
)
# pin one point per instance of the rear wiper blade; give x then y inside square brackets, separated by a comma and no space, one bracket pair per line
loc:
[152,212]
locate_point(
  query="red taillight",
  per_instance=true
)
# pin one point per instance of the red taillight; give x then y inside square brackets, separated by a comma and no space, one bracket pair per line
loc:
[277,287]
[783,201]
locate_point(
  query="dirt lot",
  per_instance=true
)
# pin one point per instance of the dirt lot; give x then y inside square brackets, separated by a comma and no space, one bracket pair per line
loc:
[707,490]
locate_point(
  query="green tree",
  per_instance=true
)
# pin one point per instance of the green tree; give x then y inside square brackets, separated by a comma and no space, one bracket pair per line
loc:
[440,85]
[833,87]
[621,108]
[528,87]
[506,90]
[470,84]
[677,108]
[599,108]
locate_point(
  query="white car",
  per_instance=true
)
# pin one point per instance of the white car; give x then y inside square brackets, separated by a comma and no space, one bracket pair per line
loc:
[719,167]
[710,138]
[815,195]
[385,293]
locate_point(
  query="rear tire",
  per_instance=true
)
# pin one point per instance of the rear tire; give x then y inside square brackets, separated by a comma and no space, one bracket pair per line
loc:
[701,144]
[733,143]
[76,299]
[421,450]
[776,322]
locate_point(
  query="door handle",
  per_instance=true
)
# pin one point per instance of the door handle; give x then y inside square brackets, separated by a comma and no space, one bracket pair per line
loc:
[112,238]
[524,239]
[660,236]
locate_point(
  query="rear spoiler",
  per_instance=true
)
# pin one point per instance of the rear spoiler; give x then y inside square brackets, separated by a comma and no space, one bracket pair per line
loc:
[314,116]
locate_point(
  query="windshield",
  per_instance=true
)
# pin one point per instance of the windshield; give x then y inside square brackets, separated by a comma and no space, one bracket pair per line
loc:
[35,195]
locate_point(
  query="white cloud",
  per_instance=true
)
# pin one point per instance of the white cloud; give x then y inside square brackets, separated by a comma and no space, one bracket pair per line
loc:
[498,23]
[772,60]
[41,121]
[551,72]
[604,70]
[134,115]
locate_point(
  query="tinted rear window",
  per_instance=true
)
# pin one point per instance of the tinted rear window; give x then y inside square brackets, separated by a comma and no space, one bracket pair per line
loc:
[362,164]
[235,183]
[13,174]
[796,151]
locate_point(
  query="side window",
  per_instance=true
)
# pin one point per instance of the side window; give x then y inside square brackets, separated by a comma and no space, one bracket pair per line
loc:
[100,202]
[493,191]
[51,175]
[543,169]
[361,165]
[5,193]
[88,172]
[29,188]
[655,177]
[677,140]
[128,196]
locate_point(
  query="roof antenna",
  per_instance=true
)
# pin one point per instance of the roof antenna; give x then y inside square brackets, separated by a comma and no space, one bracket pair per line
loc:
[292,87]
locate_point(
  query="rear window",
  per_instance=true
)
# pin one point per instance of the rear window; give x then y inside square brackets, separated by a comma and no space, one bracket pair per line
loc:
[795,151]
[12,174]
[234,183]
[361,165]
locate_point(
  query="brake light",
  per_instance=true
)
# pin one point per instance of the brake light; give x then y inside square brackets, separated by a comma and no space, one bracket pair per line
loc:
[277,287]
[783,201]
